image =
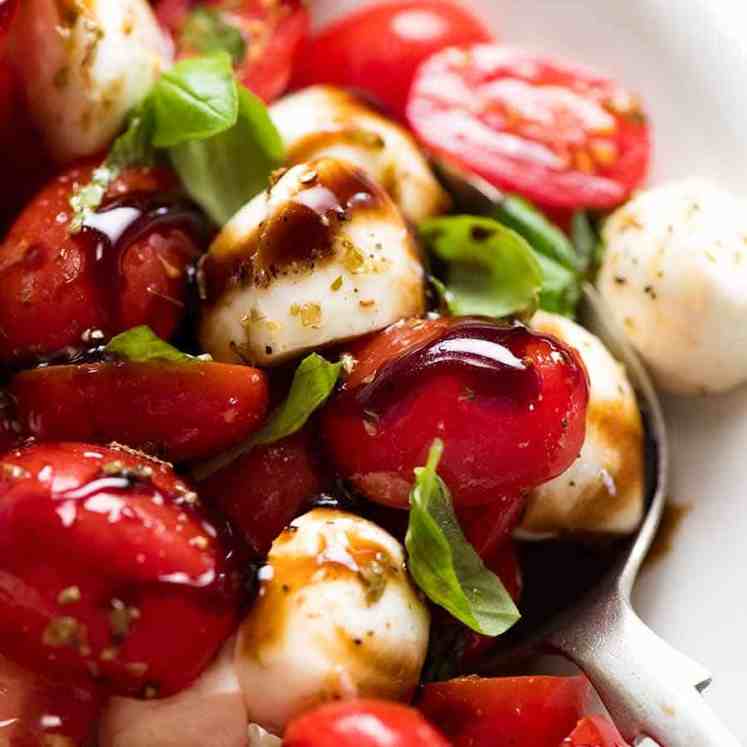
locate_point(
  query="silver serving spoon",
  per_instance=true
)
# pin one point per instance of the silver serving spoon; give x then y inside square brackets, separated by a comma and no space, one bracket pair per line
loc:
[650,689]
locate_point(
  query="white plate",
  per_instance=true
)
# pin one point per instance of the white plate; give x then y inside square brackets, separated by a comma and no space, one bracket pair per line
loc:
[688,59]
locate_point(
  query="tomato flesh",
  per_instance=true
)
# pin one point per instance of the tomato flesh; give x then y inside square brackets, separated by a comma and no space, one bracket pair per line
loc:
[557,133]
[595,731]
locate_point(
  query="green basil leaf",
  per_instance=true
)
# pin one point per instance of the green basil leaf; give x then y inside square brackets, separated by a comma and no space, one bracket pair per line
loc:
[196,99]
[224,172]
[142,345]
[206,31]
[134,147]
[313,382]
[588,242]
[444,565]
[561,288]
[491,270]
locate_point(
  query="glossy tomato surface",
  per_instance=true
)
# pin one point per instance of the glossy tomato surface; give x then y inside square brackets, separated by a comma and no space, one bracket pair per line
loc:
[508,404]
[362,723]
[560,134]
[273,33]
[379,48]
[506,711]
[8,9]
[595,731]
[110,570]
[130,265]
[176,411]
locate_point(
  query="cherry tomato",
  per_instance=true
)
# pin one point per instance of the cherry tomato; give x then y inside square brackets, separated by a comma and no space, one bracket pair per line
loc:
[176,411]
[362,723]
[378,48]
[8,10]
[560,134]
[132,268]
[595,731]
[109,570]
[506,711]
[273,33]
[509,405]
[266,488]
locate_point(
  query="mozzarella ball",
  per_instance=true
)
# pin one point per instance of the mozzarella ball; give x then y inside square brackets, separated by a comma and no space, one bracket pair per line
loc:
[210,712]
[603,490]
[84,66]
[327,121]
[675,277]
[320,257]
[337,617]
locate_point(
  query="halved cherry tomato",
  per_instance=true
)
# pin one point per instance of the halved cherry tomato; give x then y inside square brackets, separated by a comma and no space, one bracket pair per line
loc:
[176,411]
[133,268]
[560,134]
[273,32]
[110,570]
[506,711]
[266,488]
[378,48]
[362,723]
[595,731]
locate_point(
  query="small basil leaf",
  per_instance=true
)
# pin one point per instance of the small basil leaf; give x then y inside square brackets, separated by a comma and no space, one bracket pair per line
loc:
[134,147]
[206,31]
[142,345]
[491,270]
[196,99]
[313,382]
[561,289]
[224,172]
[444,565]
[587,241]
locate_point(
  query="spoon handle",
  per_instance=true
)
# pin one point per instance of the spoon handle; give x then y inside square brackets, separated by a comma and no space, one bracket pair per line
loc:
[646,685]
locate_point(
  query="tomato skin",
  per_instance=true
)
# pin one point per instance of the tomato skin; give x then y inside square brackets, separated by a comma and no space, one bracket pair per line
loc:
[55,286]
[362,723]
[505,711]
[275,33]
[116,532]
[504,429]
[266,488]
[378,49]
[557,133]
[595,731]
[8,9]
[176,411]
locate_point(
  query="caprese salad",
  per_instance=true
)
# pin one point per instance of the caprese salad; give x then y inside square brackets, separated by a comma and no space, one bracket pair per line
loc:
[279,414]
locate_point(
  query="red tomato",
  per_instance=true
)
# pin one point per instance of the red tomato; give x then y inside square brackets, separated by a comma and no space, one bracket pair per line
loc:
[378,48]
[506,711]
[266,488]
[274,32]
[55,287]
[8,10]
[595,731]
[509,405]
[362,723]
[184,410]
[560,134]
[109,570]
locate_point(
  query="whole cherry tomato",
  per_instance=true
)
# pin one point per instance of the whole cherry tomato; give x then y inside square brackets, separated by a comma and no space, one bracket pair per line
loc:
[130,265]
[379,48]
[362,723]
[176,411]
[595,731]
[267,36]
[110,570]
[562,135]
[509,405]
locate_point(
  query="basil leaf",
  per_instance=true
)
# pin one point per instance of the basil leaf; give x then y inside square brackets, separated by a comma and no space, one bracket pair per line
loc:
[561,289]
[134,147]
[588,242]
[491,270]
[444,565]
[313,382]
[224,172]
[196,99]
[206,31]
[142,345]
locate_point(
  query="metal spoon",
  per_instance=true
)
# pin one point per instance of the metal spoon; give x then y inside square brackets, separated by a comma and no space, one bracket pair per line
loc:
[649,688]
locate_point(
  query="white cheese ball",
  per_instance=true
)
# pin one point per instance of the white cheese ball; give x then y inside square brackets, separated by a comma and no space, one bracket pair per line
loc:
[321,257]
[675,277]
[209,712]
[84,66]
[326,121]
[603,490]
[337,617]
